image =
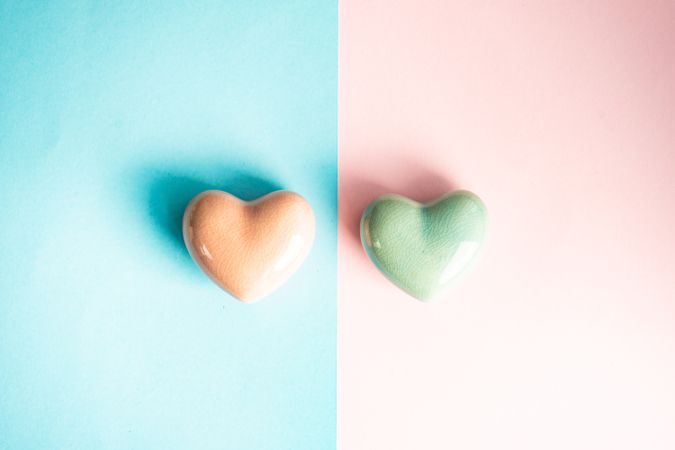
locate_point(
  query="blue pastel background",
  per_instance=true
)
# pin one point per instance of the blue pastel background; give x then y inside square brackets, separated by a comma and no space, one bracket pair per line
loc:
[112,115]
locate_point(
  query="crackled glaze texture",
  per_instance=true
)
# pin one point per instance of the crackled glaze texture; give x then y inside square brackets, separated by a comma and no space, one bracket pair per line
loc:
[249,248]
[423,248]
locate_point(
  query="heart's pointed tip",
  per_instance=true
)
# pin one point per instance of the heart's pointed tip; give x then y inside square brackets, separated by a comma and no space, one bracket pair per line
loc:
[247,300]
[422,297]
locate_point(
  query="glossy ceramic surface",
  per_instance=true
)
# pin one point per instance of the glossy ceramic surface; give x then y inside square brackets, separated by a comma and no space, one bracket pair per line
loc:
[424,248]
[249,248]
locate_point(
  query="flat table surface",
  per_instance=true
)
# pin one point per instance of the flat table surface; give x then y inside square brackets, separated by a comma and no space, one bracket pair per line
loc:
[559,115]
[112,116]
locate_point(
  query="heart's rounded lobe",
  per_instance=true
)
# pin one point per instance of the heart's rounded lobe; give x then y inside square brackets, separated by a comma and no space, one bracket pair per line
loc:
[249,248]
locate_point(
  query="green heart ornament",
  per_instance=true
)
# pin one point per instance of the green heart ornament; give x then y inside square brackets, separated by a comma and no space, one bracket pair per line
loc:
[424,248]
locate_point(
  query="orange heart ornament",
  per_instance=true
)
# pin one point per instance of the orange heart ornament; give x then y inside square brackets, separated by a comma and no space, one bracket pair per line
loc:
[249,248]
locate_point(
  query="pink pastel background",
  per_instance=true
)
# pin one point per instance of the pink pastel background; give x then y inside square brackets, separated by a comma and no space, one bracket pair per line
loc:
[561,116]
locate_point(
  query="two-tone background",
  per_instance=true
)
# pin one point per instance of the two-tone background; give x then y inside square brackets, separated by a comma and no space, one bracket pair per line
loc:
[560,115]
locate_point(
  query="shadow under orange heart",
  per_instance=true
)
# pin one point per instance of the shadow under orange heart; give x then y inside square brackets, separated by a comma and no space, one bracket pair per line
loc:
[249,248]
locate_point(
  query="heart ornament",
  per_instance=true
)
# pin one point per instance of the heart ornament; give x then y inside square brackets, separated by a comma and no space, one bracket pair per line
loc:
[249,248]
[424,248]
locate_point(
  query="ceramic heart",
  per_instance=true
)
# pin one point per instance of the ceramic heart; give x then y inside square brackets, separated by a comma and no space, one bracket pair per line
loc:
[249,248]
[423,248]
